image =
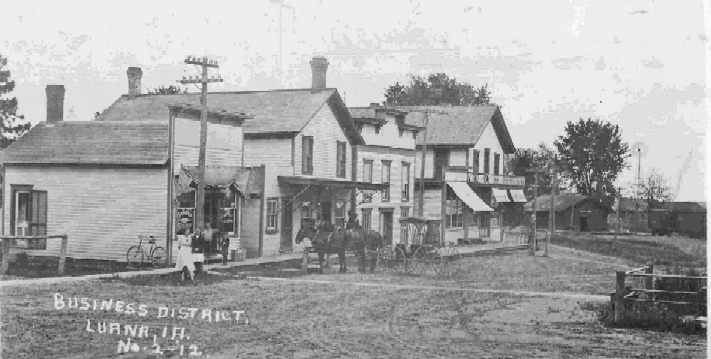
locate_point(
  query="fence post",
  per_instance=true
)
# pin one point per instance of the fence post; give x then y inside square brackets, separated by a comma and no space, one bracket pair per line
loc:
[305,261]
[649,280]
[620,297]
[5,255]
[63,254]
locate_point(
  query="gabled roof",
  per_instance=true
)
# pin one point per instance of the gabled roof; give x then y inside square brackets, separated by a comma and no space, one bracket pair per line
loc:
[92,142]
[276,111]
[459,125]
[562,202]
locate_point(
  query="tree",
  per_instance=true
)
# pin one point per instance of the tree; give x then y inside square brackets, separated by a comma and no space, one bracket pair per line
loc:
[655,189]
[525,159]
[592,154]
[12,125]
[436,89]
[168,90]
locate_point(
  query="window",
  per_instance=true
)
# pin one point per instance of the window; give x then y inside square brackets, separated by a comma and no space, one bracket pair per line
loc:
[367,214]
[475,160]
[229,212]
[307,155]
[453,210]
[340,159]
[385,179]
[28,215]
[404,212]
[272,214]
[405,195]
[340,214]
[368,171]
[497,159]
[487,153]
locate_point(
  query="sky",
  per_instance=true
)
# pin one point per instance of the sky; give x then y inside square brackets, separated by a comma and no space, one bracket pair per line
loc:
[637,64]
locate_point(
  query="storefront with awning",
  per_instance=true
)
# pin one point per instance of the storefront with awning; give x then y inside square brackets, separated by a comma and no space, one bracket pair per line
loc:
[226,189]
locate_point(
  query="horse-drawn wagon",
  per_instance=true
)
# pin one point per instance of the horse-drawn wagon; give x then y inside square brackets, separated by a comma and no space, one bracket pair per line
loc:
[421,250]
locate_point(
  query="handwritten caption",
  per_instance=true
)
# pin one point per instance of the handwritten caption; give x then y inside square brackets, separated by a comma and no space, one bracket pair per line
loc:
[133,333]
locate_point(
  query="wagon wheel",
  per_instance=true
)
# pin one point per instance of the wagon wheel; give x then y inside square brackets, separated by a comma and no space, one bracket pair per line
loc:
[439,266]
[419,263]
[453,260]
[400,261]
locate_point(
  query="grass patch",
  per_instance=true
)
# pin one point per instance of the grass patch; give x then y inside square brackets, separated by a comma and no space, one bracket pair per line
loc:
[646,316]
[642,250]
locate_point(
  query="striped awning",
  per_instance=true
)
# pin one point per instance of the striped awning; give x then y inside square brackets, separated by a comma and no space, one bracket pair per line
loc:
[465,193]
[500,195]
[517,196]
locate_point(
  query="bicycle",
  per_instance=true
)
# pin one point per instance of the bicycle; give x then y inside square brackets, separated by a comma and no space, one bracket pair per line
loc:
[135,254]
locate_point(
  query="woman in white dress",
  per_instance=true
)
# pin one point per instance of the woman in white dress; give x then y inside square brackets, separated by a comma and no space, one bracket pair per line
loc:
[186,258]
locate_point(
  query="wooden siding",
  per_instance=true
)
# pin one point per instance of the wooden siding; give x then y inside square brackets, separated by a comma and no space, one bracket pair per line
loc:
[378,155]
[224,144]
[103,210]
[458,157]
[326,132]
[270,152]
[433,202]
[389,135]
[489,140]
[250,226]
[429,160]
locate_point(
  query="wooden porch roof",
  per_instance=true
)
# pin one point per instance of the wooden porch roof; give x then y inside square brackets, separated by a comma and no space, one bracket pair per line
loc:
[302,181]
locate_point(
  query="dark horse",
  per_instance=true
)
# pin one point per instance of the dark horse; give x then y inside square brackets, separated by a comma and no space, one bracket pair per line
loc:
[335,240]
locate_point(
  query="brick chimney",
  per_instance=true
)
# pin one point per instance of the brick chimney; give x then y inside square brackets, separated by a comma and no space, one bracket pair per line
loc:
[134,81]
[319,65]
[55,103]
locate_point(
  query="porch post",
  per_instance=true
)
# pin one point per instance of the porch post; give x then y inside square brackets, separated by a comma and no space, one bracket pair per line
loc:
[443,206]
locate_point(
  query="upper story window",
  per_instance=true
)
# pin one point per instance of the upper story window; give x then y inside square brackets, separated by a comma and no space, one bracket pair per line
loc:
[405,182]
[385,179]
[487,154]
[475,161]
[340,159]
[307,157]
[368,171]
[497,159]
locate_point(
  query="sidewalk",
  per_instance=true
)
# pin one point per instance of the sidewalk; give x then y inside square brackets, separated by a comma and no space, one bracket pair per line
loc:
[469,250]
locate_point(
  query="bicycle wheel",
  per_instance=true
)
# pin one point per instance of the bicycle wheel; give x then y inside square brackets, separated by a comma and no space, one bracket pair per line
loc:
[158,256]
[134,256]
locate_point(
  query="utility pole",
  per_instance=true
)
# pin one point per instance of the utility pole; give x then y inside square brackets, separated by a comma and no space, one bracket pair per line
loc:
[534,241]
[421,208]
[204,63]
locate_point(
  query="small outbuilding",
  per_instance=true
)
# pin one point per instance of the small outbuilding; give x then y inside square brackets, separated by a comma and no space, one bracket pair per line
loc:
[572,212]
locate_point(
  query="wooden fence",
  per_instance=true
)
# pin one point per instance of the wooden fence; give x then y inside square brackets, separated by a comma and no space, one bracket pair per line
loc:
[682,293]
[7,242]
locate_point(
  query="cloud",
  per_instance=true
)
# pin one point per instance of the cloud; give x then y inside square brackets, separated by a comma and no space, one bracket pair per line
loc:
[638,12]
[652,62]
[568,63]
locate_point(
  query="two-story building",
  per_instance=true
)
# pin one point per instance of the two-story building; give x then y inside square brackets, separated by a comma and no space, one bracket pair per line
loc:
[303,143]
[387,157]
[465,182]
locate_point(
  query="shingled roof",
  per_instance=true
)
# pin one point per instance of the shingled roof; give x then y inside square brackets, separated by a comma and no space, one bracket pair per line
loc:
[459,125]
[276,111]
[92,142]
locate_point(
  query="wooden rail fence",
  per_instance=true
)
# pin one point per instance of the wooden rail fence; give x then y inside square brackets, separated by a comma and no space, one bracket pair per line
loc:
[651,287]
[7,242]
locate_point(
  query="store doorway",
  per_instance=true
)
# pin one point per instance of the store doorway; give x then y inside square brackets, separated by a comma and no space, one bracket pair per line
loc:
[386,227]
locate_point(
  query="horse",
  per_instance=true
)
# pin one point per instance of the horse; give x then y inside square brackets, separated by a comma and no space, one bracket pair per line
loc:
[336,240]
[324,239]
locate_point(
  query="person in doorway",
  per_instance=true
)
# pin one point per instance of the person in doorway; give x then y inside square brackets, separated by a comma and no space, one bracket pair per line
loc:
[352,220]
[185,260]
